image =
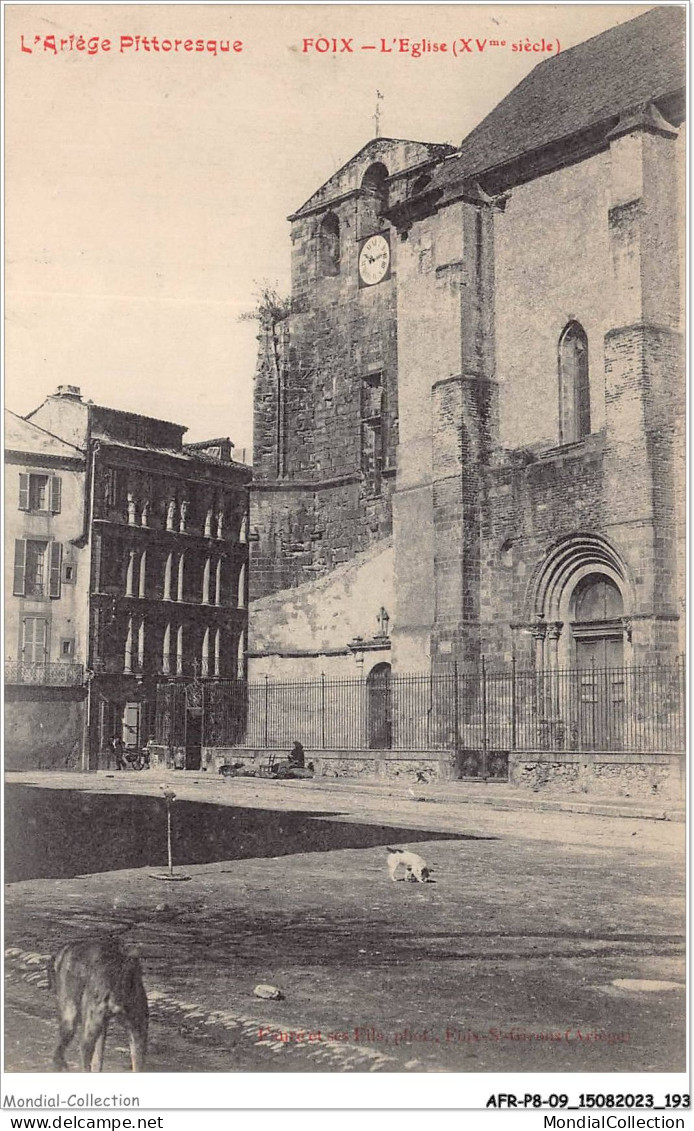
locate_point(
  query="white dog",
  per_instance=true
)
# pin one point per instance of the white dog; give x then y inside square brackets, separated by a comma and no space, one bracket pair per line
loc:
[416,870]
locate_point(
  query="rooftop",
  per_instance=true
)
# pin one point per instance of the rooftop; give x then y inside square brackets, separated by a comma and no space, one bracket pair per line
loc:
[639,61]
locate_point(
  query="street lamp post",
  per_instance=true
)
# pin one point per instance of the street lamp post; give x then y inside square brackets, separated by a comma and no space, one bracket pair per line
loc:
[169,797]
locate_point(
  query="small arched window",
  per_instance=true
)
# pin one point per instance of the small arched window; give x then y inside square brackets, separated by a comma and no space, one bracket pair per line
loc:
[375,181]
[574,384]
[330,245]
[373,199]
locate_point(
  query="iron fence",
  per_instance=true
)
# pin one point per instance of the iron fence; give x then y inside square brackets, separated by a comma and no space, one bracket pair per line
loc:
[479,714]
[45,675]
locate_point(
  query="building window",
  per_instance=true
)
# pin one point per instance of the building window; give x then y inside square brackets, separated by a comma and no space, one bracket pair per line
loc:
[372,432]
[574,384]
[37,570]
[35,577]
[129,647]
[166,651]
[168,577]
[141,646]
[69,573]
[179,650]
[205,670]
[111,487]
[40,493]
[218,583]
[130,575]
[34,640]
[142,586]
[329,245]
[67,649]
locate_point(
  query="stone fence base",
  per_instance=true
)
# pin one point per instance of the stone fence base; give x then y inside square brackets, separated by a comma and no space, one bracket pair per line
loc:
[539,771]
[610,774]
[380,764]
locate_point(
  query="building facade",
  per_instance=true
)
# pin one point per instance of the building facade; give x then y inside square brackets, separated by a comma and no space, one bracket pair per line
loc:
[46,631]
[162,582]
[482,364]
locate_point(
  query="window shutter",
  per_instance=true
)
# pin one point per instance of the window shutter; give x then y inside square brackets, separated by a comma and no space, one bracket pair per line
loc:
[28,627]
[23,492]
[55,568]
[19,587]
[56,494]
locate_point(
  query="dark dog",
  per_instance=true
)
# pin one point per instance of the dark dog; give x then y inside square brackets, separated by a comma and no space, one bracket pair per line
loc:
[95,980]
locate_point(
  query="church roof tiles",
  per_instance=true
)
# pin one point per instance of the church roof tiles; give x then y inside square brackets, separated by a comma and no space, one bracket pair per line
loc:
[639,61]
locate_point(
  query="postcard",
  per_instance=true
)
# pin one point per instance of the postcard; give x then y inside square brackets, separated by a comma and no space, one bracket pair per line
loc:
[345,559]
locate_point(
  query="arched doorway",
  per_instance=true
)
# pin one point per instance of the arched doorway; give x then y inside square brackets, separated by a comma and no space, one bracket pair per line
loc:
[597,626]
[597,629]
[379,708]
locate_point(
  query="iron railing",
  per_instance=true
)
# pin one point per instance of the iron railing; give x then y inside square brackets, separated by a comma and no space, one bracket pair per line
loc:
[47,675]
[636,709]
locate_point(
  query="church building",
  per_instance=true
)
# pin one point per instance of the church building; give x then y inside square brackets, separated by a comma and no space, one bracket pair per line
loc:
[469,421]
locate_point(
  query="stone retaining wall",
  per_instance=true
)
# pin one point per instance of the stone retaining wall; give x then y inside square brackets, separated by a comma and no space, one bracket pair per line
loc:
[553,773]
[619,775]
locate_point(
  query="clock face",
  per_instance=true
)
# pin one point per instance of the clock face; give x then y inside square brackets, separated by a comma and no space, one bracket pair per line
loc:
[374,261]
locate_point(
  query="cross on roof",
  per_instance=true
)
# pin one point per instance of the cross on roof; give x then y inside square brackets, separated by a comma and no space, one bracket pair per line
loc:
[377,114]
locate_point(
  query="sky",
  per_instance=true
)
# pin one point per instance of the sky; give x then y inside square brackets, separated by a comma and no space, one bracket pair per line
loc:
[147,193]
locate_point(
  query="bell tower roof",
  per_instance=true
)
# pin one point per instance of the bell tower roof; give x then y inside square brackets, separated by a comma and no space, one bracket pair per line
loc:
[397,155]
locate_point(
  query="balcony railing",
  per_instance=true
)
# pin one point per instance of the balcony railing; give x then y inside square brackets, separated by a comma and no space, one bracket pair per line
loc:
[45,675]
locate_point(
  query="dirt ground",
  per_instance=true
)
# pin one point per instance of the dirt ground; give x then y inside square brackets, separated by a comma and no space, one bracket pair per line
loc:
[547,941]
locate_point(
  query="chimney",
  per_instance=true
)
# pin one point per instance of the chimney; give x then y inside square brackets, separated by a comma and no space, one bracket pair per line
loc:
[71,392]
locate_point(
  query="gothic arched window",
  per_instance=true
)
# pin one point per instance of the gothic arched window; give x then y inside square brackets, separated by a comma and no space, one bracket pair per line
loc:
[330,245]
[574,384]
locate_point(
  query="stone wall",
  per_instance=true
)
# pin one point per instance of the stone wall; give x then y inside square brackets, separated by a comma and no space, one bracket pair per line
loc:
[557,775]
[323,616]
[643,776]
[379,765]
[552,266]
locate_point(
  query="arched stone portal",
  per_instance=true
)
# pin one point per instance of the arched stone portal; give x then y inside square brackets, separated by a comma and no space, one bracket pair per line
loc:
[578,599]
